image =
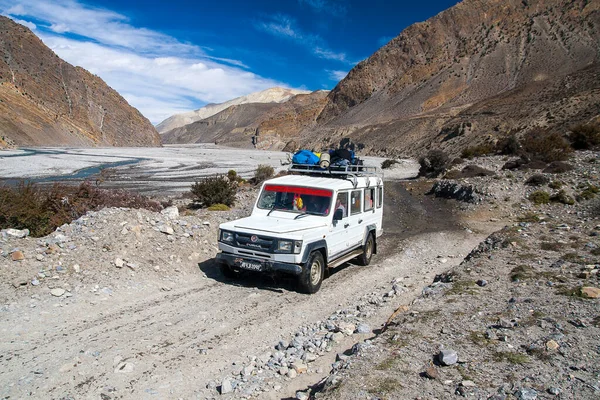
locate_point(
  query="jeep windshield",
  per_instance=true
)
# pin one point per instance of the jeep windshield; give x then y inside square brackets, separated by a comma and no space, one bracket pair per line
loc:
[295,199]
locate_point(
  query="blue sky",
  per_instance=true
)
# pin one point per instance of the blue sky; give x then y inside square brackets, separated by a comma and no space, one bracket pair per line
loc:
[176,56]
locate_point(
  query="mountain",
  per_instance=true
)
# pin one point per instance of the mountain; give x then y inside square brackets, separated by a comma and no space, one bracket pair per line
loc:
[272,95]
[268,125]
[45,101]
[472,73]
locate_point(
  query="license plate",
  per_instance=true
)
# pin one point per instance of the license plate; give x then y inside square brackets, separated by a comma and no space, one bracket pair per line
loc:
[250,265]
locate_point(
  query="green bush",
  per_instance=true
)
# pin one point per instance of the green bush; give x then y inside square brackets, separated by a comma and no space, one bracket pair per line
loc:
[588,193]
[477,151]
[562,197]
[388,163]
[434,163]
[555,185]
[545,145]
[509,145]
[214,190]
[584,137]
[537,180]
[539,197]
[262,173]
[218,207]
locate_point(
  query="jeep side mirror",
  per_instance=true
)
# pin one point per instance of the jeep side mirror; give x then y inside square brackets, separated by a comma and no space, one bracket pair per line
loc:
[338,214]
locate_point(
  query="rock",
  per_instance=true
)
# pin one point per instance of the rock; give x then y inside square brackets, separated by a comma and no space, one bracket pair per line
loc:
[282,345]
[590,292]
[283,370]
[292,373]
[552,345]
[17,255]
[506,324]
[448,357]
[300,368]
[15,233]
[432,373]
[554,391]
[337,337]
[526,394]
[482,282]
[39,257]
[226,386]
[57,292]
[77,268]
[35,282]
[363,328]
[60,238]
[247,371]
[346,328]
[467,383]
[302,396]
[19,282]
[166,229]
[119,263]
[171,212]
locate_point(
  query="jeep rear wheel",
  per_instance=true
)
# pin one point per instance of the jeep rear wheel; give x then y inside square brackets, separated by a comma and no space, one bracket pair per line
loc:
[312,274]
[368,248]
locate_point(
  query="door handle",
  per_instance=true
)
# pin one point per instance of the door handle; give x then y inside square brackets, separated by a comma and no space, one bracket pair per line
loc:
[360,221]
[346,225]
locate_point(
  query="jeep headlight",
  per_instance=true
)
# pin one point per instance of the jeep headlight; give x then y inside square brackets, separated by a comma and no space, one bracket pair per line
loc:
[227,236]
[289,246]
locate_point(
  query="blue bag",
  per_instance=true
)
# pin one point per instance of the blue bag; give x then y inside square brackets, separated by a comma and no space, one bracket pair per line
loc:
[305,157]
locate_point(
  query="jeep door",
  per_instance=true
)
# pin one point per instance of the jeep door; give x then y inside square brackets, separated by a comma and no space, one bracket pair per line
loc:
[356,220]
[338,240]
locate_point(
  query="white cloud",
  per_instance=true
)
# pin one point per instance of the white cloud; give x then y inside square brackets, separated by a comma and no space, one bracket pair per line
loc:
[337,75]
[154,72]
[285,27]
[147,82]
[28,24]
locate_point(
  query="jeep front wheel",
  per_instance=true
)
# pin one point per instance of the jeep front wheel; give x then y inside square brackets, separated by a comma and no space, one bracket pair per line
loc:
[368,248]
[312,273]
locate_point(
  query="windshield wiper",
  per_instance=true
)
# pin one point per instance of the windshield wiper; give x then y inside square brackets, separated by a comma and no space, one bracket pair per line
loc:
[307,213]
[273,208]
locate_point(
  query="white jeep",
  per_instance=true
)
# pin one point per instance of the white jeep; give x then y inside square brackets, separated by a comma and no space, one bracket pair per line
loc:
[306,222]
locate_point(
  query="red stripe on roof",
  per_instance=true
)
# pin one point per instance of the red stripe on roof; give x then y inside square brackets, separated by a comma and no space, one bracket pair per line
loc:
[299,190]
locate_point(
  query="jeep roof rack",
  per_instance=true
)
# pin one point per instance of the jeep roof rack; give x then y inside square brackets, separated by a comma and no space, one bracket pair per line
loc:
[337,171]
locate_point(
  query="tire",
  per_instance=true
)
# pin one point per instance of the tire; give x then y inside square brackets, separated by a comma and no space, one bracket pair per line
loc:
[312,274]
[228,272]
[368,249]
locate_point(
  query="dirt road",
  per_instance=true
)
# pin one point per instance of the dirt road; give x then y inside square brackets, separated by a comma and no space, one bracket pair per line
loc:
[172,336]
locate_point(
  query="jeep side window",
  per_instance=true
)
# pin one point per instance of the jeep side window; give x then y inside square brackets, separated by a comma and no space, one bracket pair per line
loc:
[379,197]
[355,202]
[341,203]
[369,199]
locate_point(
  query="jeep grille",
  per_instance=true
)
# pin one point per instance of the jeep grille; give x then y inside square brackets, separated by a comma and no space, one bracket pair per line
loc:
[262,243]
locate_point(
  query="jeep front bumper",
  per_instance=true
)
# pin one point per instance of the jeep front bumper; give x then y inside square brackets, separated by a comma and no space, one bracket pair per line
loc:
[255,264]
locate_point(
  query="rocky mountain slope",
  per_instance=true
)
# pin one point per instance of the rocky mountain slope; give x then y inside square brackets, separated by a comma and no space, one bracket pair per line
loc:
[472,73]
[47,101]
[266,125]
[271,95]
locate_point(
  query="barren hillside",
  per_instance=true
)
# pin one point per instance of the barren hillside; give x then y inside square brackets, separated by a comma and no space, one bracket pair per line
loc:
[47,101]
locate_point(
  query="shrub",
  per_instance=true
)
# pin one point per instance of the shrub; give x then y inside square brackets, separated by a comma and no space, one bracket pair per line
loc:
[218,207]
[588,193]
[477,151]
[262,173]
[509,145]
[434,163]
[539,197]
[557,167]
[537,180]
[585,137]
[42,209]
[545,145]
[234,177]
[555,185]
[388,163]
[214,190]
[562,197]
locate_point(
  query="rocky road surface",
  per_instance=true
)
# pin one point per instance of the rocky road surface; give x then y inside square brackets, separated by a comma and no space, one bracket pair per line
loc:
[129,304]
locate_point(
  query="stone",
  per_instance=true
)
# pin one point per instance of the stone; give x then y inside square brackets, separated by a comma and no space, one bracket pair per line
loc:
[554,391]
[166,229]
[57,292]
[119,263]
[282,345]
[448,357]
[19,282]
[346,328]
[17,255]
[337,337]
[39,257]
[292,374]
[171,212]
[300,368]
[482,282]
[283,370]
[363,328]
[247,371]
[468,383]
[226,386]
[35,282]
[432,373]
[590,292]
[77,268]
[552,345]
[15,233]
[526,394]
[302,396]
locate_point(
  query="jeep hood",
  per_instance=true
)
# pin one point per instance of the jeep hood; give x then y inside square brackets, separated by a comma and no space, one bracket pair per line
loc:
[273,224]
